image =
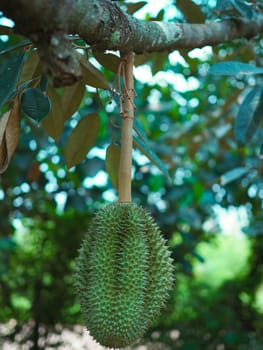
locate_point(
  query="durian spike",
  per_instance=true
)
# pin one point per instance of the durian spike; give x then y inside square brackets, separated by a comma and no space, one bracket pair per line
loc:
[124,187]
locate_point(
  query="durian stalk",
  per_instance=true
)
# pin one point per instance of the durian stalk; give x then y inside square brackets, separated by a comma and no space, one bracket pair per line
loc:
[126,130]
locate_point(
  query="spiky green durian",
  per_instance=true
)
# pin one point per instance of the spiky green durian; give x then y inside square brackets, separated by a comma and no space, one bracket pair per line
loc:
[124,274]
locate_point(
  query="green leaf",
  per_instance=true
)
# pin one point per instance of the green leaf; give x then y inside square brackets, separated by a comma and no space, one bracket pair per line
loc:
[249,116]
[233,175]
[82,139]
[43,84]
[224,5]
[16,46]
[147,151]
[9,134]
[261,151]
[35,104]
[10,70]
[243,8]
[139,130]
[63,107]
[108,60]
[233,68]
[5,30]
[131,8]
[31,67]
[53,124]
[112,163]
[191,11]
[71,99]
[92,76]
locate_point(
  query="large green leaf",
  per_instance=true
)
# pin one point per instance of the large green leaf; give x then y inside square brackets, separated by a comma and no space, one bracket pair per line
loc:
[249,116]
[82,139]
[31,67]
[5,30]
[139,130]
[234,67]
[92,76]
[243,8]
[9,134]
[35,104]
[233,175]
[10,70]
[63,107]
[191,11]
[71,98]
[54,121]
[112,163]
[10,48]
[131,8]
[108,60]
[148,152]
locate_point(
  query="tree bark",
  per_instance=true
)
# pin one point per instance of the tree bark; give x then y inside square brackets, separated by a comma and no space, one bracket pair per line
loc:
[105,26]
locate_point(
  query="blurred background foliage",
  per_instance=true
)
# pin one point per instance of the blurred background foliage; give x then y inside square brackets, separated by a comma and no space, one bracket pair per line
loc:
[216,189]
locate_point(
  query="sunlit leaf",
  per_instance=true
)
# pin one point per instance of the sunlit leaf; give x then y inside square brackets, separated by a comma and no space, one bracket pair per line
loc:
[92,76]
[10,70]
[249,115]
[108,60]
[82,139]
[35,104]
[233,175]
[233,68]
[112,163]
[147,151]
[9,134]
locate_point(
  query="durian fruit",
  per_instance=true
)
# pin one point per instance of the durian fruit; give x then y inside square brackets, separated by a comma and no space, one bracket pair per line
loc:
[124,274]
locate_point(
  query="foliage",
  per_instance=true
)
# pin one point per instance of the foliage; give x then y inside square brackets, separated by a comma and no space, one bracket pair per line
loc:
[192,133]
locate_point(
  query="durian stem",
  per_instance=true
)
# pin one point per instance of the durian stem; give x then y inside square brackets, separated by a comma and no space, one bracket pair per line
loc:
[126,129]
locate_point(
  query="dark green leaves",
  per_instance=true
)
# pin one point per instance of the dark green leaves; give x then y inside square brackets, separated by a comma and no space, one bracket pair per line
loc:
[249,116]
[10,69]
[35,103]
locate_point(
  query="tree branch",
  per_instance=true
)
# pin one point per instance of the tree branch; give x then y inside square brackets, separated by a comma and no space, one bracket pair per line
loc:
[105,26]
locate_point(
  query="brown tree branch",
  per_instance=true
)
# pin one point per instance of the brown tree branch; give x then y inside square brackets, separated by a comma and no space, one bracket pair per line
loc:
[105,26]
